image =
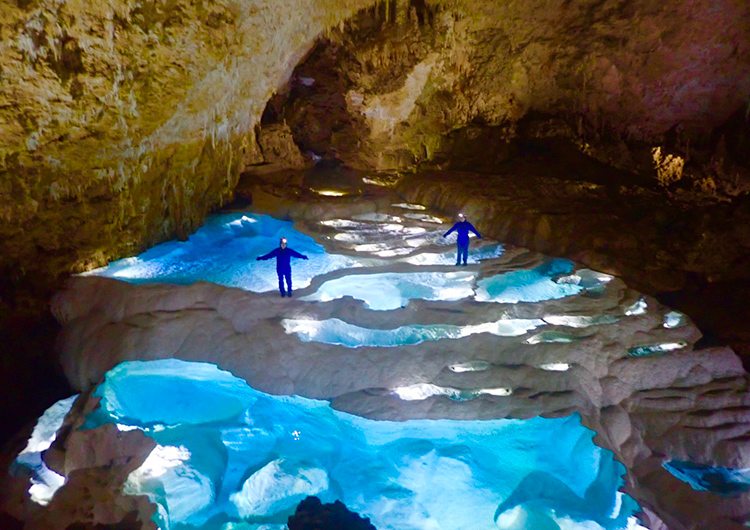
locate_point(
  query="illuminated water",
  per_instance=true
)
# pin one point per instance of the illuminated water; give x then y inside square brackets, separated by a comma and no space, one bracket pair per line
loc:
[229,453]
[532,285]
[223,251]
[335,331]
[382,292]
[230,457]
[724,481]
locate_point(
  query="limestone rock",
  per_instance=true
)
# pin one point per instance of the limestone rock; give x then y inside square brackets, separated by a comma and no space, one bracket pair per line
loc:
[106,446]
[311,514]
[600,358]
[92,497]
[277,145]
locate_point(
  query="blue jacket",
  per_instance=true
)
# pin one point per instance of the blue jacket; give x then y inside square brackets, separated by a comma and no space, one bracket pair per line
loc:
[283,258]
[462,229]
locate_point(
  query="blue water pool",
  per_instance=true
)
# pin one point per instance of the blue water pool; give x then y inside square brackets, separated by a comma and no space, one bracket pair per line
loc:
[722,480]
[223,251]
[386,291]
[231,457]
[336,331]
[533,285]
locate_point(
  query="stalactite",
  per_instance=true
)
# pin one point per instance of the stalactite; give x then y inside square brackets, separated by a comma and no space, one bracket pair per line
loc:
[402,12]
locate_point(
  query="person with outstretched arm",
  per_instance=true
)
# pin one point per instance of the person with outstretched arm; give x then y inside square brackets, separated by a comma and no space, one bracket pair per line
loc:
[283,256]
[462,228]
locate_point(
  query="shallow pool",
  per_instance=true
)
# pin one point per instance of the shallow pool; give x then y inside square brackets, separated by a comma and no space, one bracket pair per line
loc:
[223,251]
[228,453]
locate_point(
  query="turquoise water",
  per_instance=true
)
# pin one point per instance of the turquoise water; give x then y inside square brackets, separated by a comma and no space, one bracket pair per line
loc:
[223,251]
[231,457]
[722,480]
[336,331]
[534,285]
[229,453]
[386,291]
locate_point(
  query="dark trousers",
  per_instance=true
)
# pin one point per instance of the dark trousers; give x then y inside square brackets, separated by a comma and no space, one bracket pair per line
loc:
[282,276]
[463,253]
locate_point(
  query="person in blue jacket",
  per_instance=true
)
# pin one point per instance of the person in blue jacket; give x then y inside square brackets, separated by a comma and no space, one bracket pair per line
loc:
[462,228]
[283,256]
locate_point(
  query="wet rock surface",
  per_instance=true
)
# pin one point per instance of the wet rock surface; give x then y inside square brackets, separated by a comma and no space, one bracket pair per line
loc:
[647,405]
[670,403]
[691,253]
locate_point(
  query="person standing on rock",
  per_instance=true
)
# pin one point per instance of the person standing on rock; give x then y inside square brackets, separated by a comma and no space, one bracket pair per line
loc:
[283,256]
[462,228]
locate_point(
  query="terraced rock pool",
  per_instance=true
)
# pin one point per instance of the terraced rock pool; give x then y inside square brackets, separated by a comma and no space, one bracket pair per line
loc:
[422,394]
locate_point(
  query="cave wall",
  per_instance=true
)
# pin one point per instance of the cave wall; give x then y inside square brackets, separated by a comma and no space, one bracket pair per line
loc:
[459,81]
[124,123]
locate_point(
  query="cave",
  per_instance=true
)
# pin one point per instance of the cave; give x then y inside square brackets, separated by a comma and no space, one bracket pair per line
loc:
[150,151]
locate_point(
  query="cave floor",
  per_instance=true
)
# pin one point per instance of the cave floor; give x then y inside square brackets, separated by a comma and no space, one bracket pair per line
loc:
[394,330]
[689,250]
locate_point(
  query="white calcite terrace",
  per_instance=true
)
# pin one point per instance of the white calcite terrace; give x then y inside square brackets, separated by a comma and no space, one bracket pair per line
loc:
[384,326]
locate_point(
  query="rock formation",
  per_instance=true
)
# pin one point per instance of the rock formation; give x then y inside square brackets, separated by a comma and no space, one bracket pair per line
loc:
[440,83]
[311,513]
[123,125]
[628,365]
